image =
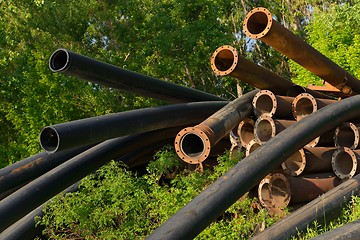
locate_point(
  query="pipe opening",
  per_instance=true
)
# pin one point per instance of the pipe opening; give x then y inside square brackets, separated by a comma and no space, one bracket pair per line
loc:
[246,131]
[303,107]
[251,147]
[59,60]
[192,145]
[346,135]
[295,164]
[49,139]
[264,193]
[264,129]
[224,60]
[280,192]
[257,23]
[344,164]
[264,103]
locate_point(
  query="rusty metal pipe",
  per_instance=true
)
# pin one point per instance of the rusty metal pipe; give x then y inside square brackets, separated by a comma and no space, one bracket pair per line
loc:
[305,104]
[96,129]
[322,209]
[295,90]
[88,69]
[309,160]
[259,24]
[226,61]
[193,218]
[267,127]
[252,146]
[275,106]
[347,135]
[245,131]
[345,162]
[193,144]
[284,190]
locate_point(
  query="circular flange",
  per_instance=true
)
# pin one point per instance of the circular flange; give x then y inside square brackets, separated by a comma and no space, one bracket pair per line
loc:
[257,23]
[280,191]
[265,128]
[303,105]
[344,163]
[347,135]
[264,102]
[192,145]
[224,60]
[252,146]
[245,131]
[295,164]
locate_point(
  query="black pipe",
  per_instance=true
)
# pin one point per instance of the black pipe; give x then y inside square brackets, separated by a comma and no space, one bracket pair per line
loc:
[38,191]
[26,227]
[322,209]
[18,164]
[88,69]
[213,201]
[349,231]
[34,167]
[97,129]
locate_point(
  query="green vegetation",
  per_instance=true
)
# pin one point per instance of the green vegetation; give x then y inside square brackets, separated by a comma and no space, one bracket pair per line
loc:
[170,40]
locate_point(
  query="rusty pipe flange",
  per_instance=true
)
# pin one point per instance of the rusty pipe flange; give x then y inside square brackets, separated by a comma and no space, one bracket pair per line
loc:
[224,60]
[344,163]
[303,105]
[265,128]
[245,131]
[264,193]
[280,191]
[192,145]
[264,102]
[257,23]
[347,135]
[252,146]
[295,164]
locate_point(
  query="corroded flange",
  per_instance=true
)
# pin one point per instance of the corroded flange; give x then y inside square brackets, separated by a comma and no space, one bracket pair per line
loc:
[257,23]
[344,163]
[295,164]
[224,60]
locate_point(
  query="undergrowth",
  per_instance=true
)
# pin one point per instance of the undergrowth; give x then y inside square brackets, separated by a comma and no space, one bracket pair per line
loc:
[116,203]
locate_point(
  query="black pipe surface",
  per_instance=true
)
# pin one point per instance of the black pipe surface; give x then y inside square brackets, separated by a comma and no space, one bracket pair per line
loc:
[38,191]
[88,69]
[97,129]
[349,231]
[213,201]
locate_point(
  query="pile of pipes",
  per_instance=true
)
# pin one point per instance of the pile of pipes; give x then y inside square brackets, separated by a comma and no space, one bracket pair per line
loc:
[294,153]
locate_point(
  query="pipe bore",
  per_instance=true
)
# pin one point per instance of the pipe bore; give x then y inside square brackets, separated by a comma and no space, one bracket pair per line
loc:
[280,191]
[344,163]
[252,146]
[303,105]
[245,131]
[295,164]
[264,128]
[257,23]
[347,135]
[267,102]
[224,60]
[49,139]
[59,60]
[192,145]
[264,192]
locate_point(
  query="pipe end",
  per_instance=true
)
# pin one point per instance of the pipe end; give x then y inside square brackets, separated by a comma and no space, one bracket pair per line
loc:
[303,105]
[295,164]
[257,23]
[245,131]
[224,60]
[344,163]
[265,128]
[59,60]
[49,139]
[347,135]
[252,146]
[280,191]
[192,145]
[264,102]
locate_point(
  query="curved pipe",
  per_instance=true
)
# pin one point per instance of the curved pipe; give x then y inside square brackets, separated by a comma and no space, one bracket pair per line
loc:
[88,69]
[322,209]
[96,129]
[189,221]
[38,191]
[274,105]
[266,127]
[347,135]
[345,162]
[226,61]
[245,131]
[259,24]
[348,231]
[304,104]
[193,144]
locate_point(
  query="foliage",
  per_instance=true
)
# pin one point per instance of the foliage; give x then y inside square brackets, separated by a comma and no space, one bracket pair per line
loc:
[117,203]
